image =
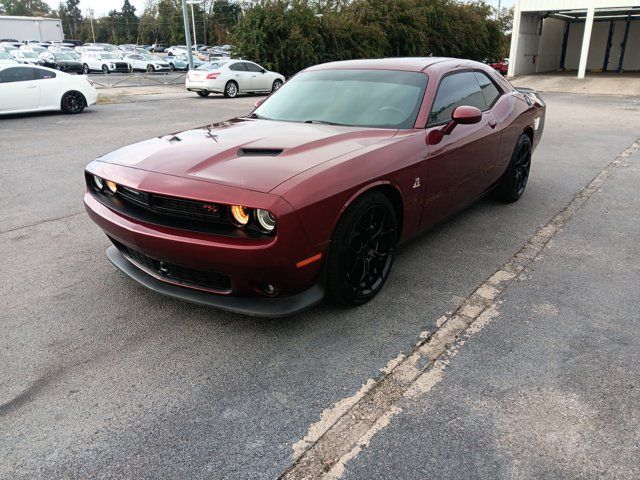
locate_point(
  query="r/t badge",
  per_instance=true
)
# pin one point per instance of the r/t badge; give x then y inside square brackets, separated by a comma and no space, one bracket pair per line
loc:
[416,183]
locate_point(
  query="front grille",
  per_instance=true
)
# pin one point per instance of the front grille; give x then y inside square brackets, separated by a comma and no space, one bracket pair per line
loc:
[122,66]
[185,276]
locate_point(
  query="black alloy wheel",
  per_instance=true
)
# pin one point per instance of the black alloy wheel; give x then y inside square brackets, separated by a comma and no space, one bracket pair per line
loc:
[73,102]
[276,85]
[514,181]
[362,250]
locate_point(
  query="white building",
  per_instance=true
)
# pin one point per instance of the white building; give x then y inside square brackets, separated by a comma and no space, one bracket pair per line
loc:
[31,28]
[594,35]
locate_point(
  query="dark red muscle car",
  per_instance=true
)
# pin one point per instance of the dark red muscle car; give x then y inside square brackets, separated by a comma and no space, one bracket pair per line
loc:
[312,193]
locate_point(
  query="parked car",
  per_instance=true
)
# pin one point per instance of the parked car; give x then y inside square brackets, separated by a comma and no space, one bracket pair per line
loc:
[181,62]
[7,47]
[25,88]
[157,48]
[6,59]
[24,56]
[312,192]
[502,66]
[103,61]
[178,50]
[231,77]
[147,63]
[32,47]
[60,61]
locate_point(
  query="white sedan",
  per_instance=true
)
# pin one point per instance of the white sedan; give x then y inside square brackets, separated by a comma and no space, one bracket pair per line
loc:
[25,56]
[26,88]
[147,63]
[232,77]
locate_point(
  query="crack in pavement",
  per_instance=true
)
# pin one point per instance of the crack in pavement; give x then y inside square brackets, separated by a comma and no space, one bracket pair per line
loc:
[346,428]
[41,222]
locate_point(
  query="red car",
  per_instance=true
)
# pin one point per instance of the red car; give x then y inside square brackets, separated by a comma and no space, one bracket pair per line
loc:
[502,66]
[311,193]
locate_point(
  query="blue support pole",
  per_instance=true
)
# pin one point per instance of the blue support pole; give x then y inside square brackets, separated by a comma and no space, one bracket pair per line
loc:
[605,64]
[565,40]
[623,46]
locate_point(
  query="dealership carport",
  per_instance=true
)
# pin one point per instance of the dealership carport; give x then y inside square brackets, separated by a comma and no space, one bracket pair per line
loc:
[582,35]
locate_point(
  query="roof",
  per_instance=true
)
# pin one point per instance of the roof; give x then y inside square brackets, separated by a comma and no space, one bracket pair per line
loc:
[409,64]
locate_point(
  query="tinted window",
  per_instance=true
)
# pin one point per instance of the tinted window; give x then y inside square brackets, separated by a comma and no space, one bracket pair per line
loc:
[252,67]
[489,90]
[43,74]
[16,75]
[455,90]
[238,67]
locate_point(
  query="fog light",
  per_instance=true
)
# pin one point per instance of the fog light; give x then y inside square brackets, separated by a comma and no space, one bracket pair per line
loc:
[112,186]
[98,182]
[269,290]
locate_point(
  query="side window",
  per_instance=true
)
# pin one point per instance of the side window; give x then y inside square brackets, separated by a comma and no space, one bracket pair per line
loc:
[238,67]
[455,90]
[43,74]
[11,75]
[252,67]
[489,90]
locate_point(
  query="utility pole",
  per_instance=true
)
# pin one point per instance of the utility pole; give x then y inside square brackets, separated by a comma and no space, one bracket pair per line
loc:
[187,33]
[93,34]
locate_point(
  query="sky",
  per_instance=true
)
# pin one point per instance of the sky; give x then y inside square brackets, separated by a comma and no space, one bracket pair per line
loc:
[102,7]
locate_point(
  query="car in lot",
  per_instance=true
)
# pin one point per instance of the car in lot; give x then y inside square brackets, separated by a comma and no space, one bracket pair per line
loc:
[312,193]
[157,48]
[181,62]
[6,59]
[103,61]
[62,61]
[24,56]
[147,63]
[501,66]
[27,88]
[232,77]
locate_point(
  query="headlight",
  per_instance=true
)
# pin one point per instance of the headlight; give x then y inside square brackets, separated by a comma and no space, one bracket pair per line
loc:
[266,220]
[97,181]
[240,214]
[112,186]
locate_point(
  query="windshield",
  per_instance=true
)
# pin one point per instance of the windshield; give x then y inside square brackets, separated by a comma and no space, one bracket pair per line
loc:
[62,56]
[29,54]
[362,98]
[109,56]
[210,65]
[150,58]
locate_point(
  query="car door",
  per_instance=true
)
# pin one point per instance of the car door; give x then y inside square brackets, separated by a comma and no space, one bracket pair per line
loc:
[18,89]
[240,74]
[48,86]
[259,77]
[460,166]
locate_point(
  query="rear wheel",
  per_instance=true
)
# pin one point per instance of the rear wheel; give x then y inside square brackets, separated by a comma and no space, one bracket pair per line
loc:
[85,69]
[203,94]
[514,180]
[231,89]
[73,102]
[362,250]
[105,70]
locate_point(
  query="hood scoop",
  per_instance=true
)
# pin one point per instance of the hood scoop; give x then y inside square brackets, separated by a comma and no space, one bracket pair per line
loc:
[259,152]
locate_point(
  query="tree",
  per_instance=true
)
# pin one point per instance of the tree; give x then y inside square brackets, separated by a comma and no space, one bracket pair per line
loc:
[29,8]
[71,17]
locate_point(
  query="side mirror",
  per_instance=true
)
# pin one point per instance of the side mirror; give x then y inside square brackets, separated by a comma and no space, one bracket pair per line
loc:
[461,115]
[259,102]
[262,70]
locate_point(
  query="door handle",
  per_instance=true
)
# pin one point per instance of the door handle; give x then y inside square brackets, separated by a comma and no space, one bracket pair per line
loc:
[493,123]
[31,86]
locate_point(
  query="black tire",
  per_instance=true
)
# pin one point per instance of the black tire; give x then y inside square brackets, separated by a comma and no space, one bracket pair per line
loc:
[105,70]
[203,94]
[73,102]
[172,67]
[276,85]
[85,69]
[362,250]
[231,89]
[150,68]
[515,178]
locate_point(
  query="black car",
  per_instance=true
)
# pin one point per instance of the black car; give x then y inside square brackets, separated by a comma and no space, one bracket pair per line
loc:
[61,61]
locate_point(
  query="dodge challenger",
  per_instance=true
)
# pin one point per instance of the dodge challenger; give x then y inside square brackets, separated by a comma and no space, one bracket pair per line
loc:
[311,194]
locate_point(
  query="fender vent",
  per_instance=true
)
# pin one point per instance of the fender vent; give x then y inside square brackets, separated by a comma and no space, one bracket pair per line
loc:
[259,152]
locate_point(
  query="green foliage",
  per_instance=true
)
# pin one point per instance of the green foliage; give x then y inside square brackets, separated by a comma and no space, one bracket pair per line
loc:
[29,8]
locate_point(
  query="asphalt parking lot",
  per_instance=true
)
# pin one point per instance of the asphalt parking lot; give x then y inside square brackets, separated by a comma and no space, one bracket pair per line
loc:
[101,378]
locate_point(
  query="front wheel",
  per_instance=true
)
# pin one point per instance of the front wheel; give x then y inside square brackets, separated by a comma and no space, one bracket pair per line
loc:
[514,181]
[105,70]
[73,102]
[150,68]
[276,85]
[362,250]
[172,67]
[85,69]
[231,90]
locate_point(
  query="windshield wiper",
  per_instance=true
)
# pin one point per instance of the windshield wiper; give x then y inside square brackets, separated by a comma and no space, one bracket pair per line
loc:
[324,122]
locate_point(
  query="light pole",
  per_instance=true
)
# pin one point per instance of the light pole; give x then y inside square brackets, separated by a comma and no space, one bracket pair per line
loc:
[90,15]
[193,18]
[187,34]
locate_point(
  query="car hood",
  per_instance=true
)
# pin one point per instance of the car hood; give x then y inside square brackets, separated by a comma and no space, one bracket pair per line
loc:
[253,154]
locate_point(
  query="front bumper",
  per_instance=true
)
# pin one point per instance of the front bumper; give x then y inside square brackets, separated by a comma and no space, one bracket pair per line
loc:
[257,307]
